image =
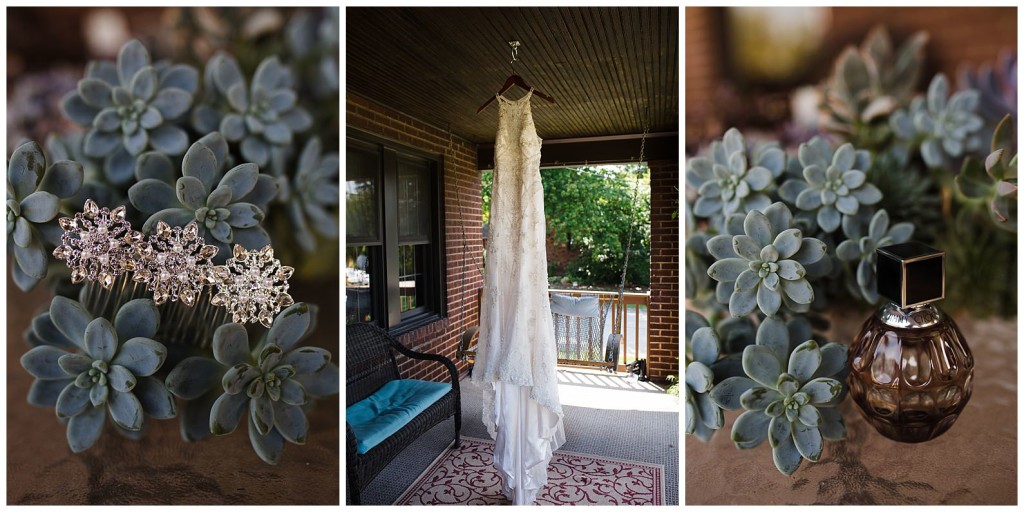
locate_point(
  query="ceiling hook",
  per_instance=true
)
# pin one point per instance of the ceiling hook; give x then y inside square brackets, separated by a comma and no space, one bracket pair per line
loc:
[514,44]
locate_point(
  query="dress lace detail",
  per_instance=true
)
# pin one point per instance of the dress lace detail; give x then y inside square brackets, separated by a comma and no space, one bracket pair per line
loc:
[516,355]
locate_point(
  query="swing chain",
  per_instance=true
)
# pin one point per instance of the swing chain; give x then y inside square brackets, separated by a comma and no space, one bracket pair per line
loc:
[450,155]
[629,239]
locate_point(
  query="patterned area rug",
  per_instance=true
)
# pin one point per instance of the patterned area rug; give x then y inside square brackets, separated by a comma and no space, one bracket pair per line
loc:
[467,477]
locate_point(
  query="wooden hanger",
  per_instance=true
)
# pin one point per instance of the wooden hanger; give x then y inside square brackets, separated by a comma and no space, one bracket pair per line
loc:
[517,81]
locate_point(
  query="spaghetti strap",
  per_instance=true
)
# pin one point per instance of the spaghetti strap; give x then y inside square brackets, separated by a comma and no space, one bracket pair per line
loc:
[507,101]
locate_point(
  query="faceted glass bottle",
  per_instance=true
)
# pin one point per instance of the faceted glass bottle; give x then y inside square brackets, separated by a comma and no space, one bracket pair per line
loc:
[911,370]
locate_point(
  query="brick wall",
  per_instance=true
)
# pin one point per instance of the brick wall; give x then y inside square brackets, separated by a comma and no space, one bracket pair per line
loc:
[704,72]
[461,186]
[663,317]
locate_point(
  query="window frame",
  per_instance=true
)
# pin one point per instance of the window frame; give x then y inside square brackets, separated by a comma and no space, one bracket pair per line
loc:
[387,304]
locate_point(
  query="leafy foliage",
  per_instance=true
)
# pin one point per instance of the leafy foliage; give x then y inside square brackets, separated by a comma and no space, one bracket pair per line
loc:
[589,209]
[312,195]
[261,117]
[997,89]
[861,250]
[705,346]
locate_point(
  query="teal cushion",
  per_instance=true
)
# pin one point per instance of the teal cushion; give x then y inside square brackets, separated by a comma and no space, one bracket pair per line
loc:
[385,412]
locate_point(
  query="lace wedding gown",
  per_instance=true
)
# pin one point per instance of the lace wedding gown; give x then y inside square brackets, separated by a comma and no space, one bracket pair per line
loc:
[516,355]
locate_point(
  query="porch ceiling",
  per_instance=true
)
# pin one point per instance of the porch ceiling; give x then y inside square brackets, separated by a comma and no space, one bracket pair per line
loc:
[439,64]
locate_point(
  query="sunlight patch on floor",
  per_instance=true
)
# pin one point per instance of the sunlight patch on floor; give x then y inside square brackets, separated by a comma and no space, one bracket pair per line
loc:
[602,390]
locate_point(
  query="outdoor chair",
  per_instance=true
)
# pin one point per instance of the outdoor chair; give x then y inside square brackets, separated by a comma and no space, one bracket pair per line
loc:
[579,330]
[385,413]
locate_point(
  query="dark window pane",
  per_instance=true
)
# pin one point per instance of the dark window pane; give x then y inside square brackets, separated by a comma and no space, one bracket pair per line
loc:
[414,201]
[360,287]
[411,279]
[362,171]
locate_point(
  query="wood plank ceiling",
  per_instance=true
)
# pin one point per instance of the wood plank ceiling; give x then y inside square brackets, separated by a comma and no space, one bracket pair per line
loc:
[439,64]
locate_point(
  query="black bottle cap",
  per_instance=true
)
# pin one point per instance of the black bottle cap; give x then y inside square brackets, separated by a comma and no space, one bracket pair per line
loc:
[911,274]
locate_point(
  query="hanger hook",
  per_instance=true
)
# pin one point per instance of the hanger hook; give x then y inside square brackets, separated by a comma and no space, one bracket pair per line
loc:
[515,50]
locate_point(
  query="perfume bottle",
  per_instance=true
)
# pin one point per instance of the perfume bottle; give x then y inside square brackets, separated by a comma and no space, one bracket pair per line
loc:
[910,367]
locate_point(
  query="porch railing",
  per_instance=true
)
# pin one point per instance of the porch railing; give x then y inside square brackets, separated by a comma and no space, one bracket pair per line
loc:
[633,311]
[634,328]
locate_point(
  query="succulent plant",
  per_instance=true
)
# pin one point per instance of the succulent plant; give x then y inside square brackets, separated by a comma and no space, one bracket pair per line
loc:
[227,206]
[34,191]
[765,265]
[869,83]
[834,186]
[264,382]
[129,107]
[83,363]
[861,249]
[703,417]
[789,399]
[907,193]
[310,37]
[946,126]
[726,184]
[993,183]
[68,146]
[312,195]
[697,255]
[696,264]
[984,263]
[997,89]
[262,117]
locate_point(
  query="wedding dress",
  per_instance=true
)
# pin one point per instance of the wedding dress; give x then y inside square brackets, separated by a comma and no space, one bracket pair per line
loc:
[516,356]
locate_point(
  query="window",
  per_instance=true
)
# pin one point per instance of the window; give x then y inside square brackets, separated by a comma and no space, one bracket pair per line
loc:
[394,275]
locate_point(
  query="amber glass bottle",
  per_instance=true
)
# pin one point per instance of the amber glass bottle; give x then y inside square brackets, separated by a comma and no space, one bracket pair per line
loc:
[911,368]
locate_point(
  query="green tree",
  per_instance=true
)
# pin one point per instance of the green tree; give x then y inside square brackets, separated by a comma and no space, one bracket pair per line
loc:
[590,209]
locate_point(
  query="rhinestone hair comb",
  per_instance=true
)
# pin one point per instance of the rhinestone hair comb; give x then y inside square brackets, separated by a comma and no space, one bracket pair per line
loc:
[174,264]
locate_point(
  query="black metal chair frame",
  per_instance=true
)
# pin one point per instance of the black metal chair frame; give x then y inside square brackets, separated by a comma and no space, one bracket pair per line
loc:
[370,363]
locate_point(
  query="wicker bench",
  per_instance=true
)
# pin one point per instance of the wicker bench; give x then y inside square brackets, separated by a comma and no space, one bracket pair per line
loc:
[372,379]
